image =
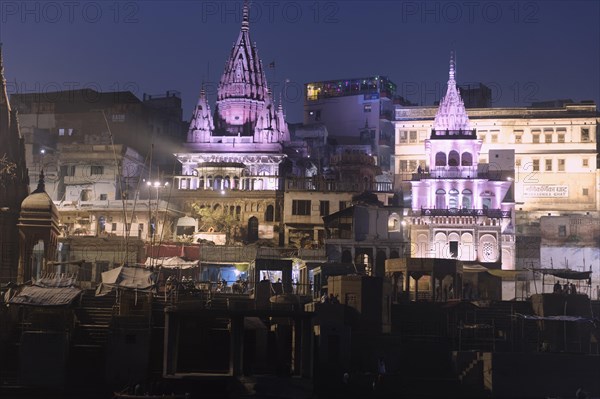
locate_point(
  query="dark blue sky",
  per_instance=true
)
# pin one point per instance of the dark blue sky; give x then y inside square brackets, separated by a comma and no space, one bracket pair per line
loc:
[524,50]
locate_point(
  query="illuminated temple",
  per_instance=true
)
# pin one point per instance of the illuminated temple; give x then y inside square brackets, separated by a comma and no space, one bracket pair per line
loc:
[461,208]
[241,146]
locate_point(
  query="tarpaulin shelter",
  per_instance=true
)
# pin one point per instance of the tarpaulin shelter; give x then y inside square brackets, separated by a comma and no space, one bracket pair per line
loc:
[49,290]
[45,296]
[128,278]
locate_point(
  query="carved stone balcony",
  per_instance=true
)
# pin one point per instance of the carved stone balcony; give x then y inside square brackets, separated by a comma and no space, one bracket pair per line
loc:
[491,213]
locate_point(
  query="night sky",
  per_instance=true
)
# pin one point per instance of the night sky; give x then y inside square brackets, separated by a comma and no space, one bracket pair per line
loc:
[524,50]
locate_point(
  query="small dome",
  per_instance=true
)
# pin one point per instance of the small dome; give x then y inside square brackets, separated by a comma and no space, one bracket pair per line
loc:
[39,200]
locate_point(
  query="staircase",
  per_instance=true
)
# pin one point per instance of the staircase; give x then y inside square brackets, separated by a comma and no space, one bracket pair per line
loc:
[94,315]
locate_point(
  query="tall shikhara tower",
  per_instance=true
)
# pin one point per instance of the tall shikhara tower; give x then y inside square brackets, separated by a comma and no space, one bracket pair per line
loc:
[460,208]
[243,142]
[14,183]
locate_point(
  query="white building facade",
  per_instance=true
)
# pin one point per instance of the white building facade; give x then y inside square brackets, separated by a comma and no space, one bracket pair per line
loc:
[461,208]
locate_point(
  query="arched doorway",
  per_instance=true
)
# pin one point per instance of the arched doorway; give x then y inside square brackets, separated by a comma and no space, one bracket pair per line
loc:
[252,229]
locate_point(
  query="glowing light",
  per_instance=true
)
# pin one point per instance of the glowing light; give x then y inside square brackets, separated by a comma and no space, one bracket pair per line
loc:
[223,192]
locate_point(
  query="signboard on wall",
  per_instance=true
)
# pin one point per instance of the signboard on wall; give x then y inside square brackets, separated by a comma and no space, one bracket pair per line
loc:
[265,232]
[545,191]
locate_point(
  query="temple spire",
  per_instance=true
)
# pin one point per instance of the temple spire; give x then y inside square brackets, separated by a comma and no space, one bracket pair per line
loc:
[451,115]
[246,16]
[452,71]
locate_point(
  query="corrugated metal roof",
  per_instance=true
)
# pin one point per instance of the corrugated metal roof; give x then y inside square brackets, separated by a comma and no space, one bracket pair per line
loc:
[45,296]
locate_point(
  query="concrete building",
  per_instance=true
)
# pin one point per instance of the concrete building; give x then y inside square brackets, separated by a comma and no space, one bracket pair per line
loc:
[360,109]
[367,235]
[88,117]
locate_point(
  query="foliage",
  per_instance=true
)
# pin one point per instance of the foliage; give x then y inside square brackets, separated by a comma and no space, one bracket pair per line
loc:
[214,220]
[7,168]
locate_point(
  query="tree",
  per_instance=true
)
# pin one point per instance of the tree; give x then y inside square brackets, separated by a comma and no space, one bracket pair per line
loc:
[7,168]
[215,220]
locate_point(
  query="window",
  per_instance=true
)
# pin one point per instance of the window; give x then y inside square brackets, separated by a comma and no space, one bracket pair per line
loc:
[535,137]
[128,226]
[561,137]
[453,249]
[518,162]
[536,165]
[403,137]
[440,199]
[548,167]
[585,163]
[547,138]
[413,137]
[453,199]
[403,166]
[561,165]
[103,197]
[482,137]
[301,207]
[323,208]
[67,170]
[562,231]
[518,138]
[494,138]
[585,192]
[113,227]
[97,170]
[412,165]
[440,159]
[101,224]
[394,222]
[342,205]
[269,213]
[467,198]
[585,134]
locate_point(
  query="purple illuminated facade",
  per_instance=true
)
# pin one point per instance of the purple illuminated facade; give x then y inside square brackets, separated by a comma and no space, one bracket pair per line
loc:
[241,146]
[462,209]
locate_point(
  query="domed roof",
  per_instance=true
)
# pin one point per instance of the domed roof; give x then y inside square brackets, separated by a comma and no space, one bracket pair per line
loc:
[39,200]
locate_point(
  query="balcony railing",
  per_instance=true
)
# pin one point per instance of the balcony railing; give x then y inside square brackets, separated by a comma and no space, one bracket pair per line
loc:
[457,174]
[453,134]
[491,213]
[327,185]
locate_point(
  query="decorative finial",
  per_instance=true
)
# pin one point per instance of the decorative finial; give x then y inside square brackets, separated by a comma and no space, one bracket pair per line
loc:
[41,184]
[452,66]
[245,17]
